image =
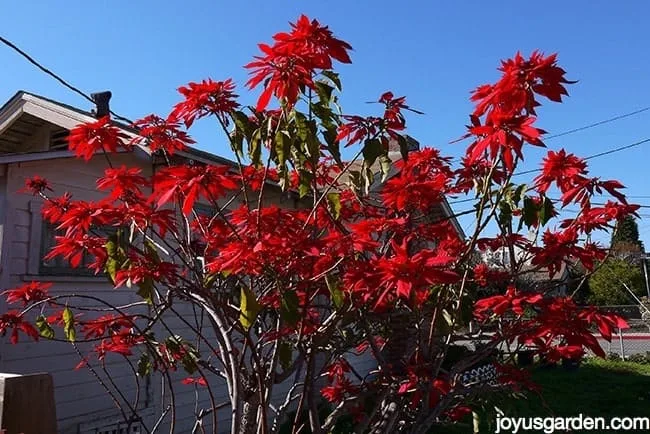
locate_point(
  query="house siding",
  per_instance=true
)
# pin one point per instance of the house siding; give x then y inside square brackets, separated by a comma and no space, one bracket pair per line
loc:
[3,217]
[78,396]
[81,403]
[80,399]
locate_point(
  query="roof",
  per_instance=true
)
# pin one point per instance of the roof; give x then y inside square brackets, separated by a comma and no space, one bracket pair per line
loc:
[66,116]
[537,274]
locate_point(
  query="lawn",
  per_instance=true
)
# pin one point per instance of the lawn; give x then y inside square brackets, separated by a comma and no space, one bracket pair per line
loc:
[598,388]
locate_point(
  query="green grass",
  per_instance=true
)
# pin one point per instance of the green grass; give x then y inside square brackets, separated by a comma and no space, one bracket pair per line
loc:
[598,388]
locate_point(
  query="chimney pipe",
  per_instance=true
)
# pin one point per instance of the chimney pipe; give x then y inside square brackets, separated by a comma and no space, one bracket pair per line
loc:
[101,100]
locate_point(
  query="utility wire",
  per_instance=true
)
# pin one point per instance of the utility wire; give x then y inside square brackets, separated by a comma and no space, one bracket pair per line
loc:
[601,154]
[47,71]
[590,157]
[596,124]
[76,90]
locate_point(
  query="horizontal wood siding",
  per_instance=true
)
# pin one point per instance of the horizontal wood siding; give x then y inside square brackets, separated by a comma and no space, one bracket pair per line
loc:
[79,397]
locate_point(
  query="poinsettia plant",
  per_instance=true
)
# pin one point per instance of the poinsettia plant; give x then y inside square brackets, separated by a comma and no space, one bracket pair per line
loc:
[297,262]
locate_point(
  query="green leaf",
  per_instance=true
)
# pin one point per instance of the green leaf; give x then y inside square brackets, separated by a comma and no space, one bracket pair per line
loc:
[384,166]
[145,289]
[285,354]
[368,178]
[334,202]
[505,212]
[68,324]
[249,307]
[254,148]
[313,147]
[354,179]
[448,318]
[151,251]
[189,360]
[44,328]
[533,213]
[372,149]
[237,143]
[403,146]
[111,266]
[282,147]
[289,308]
[188,354]
[324,91]
[242,124]
[144,365]
[329,135]
[529,212]
[334,78]
[209,280]
[116,258]
[519,194]
[302,127]
[546,211]
[337,295]
[305,183]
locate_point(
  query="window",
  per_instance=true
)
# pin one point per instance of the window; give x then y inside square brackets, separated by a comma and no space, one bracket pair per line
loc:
[59,266]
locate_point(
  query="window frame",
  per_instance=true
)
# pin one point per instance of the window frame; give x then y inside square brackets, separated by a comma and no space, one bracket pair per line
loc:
[39,247]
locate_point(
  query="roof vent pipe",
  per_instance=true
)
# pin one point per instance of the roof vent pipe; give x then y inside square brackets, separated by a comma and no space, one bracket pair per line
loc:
[101,100]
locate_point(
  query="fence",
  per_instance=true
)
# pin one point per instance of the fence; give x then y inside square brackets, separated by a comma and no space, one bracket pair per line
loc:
[629,342]
[27,404]
[632,342]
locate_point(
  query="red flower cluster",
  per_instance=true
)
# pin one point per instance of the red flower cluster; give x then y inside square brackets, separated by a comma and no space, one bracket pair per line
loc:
[110,323]
[340,386]
[121,342]
[163,134]
[291,62]
[28,293]
[359,128]
[556,327]
[15,321]
[189,183]
[423,181]
[121,181]
[37,185]
[199,381]
[208,97]
[99,136]
[419,381]
[509,105]
[568,173]
[513,301]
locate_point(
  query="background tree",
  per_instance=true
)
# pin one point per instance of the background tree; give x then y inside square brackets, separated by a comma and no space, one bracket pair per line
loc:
[625,242]
[607,283]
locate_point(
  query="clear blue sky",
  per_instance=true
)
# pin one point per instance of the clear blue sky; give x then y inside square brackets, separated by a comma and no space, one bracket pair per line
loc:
[432,52]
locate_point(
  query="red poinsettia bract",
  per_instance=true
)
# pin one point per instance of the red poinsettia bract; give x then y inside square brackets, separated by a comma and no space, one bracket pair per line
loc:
[28,293]
[208,97]
[291,62]
[14,321]
[161,134]
[98,136]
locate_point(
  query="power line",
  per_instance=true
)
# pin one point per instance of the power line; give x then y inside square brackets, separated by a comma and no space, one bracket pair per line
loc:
[76,90]
[600,154]
[590,157]
[596,124]
[58,78]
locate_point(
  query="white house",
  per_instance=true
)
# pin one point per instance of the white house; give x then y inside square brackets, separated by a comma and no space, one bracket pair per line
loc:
[33,132]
